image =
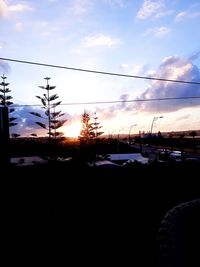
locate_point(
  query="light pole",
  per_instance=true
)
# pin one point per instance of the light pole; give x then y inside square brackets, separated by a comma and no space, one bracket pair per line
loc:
[118,139]
[154,119]
[119,132]
[130,132]
[110,134]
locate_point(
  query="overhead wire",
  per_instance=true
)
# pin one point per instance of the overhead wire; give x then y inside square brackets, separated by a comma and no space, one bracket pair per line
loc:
[106,73]
[113,102]
[99,72]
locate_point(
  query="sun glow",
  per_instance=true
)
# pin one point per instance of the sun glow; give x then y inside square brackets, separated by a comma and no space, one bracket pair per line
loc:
[72,130]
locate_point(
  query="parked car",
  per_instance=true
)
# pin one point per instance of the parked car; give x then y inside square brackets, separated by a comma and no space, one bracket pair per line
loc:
[176,155]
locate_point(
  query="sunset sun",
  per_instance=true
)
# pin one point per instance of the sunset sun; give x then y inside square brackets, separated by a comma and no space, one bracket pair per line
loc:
[72,130]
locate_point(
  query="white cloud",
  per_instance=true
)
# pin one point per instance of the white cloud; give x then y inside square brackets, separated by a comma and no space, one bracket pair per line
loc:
[194,56]
[150,8]
[79,7]
[100,40]
[116,3]
[47,28]
[18,27]
[124,66]
[19,8]
[171,68]
[4,67]
[6,9]
[138,69]
[163,13]
[180,16]
[186,14]
[2,44]
[3,8]
[158,32]
[162,31]
[77,51]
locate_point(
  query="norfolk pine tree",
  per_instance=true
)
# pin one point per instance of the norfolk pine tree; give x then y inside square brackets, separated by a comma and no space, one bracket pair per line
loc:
[87,132]
[5,100]
[51,117]
[88,136]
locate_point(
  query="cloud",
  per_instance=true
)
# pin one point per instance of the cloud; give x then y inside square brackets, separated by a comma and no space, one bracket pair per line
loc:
[110,112]
[4,67]
[163,13]
[158,32]
[180,16]
[6,9]
[150,8]
[138,69]
[194,56]
[184,117]
[123,98]
[18,26]
[190,13]
[175,68]
[100,40]
[3,9]
[19,8]
[186,14]
[26,122]
[115,3]
[79,7]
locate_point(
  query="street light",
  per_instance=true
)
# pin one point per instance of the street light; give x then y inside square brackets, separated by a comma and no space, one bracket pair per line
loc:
[119,132]
[130,132]
[154,119]
[118,139]
[111,134]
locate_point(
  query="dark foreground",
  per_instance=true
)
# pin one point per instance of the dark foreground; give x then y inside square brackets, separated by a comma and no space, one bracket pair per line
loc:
[98,216]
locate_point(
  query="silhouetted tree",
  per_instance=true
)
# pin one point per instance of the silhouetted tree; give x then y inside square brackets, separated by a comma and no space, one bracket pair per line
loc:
[33,134]
[171,135]
[5,100]
[88,137]
[90,130]
[97,126]
[15,135]
[51,116]
[87,132]
[193,134]
[159,134]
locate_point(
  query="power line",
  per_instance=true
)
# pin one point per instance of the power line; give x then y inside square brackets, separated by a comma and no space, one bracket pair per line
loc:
[99,72]
[114,102]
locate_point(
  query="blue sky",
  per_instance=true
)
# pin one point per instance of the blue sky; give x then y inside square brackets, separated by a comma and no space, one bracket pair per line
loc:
[157,38]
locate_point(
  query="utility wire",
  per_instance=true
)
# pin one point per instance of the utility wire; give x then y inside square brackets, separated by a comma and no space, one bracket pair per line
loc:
[99,72]
[114,102]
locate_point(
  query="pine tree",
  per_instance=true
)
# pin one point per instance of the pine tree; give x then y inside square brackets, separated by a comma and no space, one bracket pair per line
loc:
[90,130]
[5,100]
[87,132]
[51,116]
[97,127]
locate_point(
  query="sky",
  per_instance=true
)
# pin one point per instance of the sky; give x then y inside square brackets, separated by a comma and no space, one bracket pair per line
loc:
[148,38]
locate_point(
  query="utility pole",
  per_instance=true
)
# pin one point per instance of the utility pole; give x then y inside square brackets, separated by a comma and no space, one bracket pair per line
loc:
[129,136]
[4,137]
[154,119]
